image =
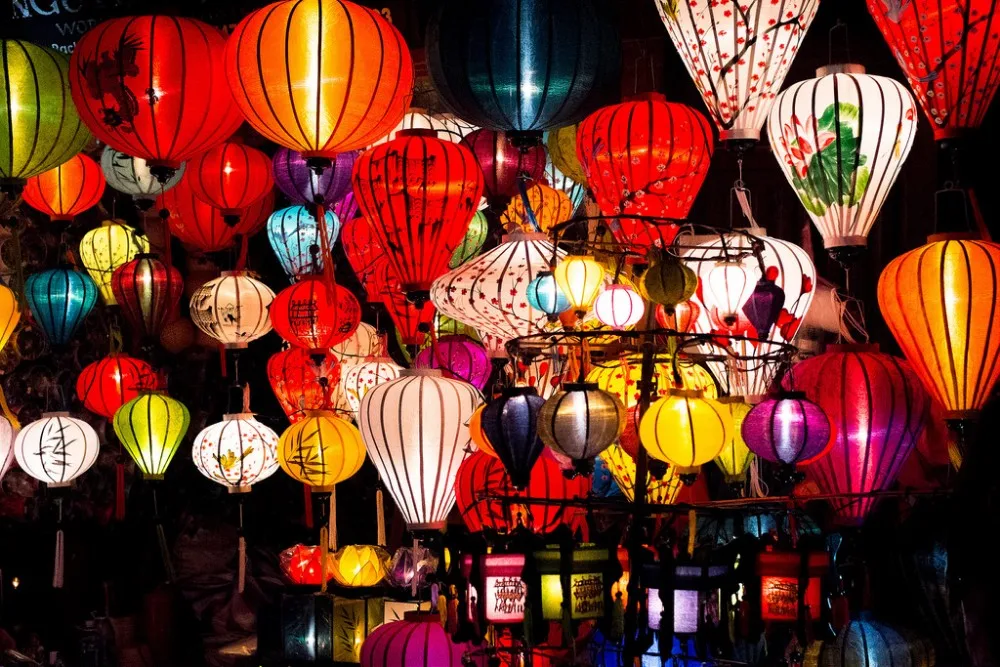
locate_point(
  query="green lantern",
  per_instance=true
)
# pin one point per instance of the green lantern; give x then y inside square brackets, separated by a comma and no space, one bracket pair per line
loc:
[151,427]
[472,242]
[583,583]
[668,281]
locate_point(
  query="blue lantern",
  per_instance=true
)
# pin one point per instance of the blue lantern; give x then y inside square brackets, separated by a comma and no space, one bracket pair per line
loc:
[544,295]
[295,239]
[59,299]
[510,423]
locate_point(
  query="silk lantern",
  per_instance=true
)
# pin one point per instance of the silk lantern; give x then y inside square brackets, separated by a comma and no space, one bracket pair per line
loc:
[237,452]
[580,421]
[366,256]
[682,319]
[685,428]
[232,309]
[59,300]
[151,428]
[544,294]
[738,57]
[619,307]
[668,281]
[416,431]
[504,165]
[864,643]
[735,457]
[413,322]
[154,87]
[302,382]
[10,314]
[510,421]
[148,291]
[731,283]
[302,185]
[361,377]
[321,450]
[548,207]
[561,145]
[57,448]
[64,192]
[319,106]
[309,316]
[579,592]
[504,592]
[416,641]
[476,433]
[295,239]
[473,241]
[580,279]
[130,175]
[788,429]
[303,565]
[365,343]
[841,140]
[7,435]
[458,358]
[201,226]
[105,248]
[230,177]
[112,381]
[662,488]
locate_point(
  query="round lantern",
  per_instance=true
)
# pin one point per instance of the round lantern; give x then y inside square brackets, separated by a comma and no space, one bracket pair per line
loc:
[105,248]
[580,421]
[525,67]
[151,427]
[682,319]
[202,226]
[59,300]
[39,122]
[319,106]
[232,309]
[154,87]
[307,315]
[548,207]
[10,314]
[109,383]
[841,139]
[365,343]
[303,565]
[544,294]
[230,177]
[295,239]
[458,358]
[416,641]
[64,192]
[511,424]
[669,281]
[131,176]
[619,307]
[504,165]
[878,409]
[738,65]
[864,643]
[148,292]
[685,428]
[416,430]
[57,448]
[301,382]
[360,566]
[561,145]
[419,194]
[788,429]
[302,185]
[367,258]
[661,489]
[361,377]
[730,285]
[473,241]
[321,450]
[581,279]
[237,452]
[735,457]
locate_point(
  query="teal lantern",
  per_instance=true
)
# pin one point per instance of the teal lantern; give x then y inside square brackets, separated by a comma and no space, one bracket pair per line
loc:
[59,299]
[544,295]
[295,239]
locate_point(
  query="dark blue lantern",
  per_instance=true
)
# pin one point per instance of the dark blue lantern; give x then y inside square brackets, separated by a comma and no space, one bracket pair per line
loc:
[510,423]
[59,299]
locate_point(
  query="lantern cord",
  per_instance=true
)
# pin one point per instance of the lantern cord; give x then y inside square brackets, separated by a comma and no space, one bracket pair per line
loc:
[58,570]
[332,519]
[758,487]
[120,487]
[246,395]
[529,213]
[222,360]
[324,557]
[852,317]
[241,564]
[379,516]
[19,264]
[161,538]
[324,245]
[308,507]
[241,259]
[839,25]
[413,579]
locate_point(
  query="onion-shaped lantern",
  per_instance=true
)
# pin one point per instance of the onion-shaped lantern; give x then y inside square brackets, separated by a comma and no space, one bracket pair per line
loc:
[148,292]
[366,256]
[237,452]
[416,431]
[105,248]
[309,316]
[619,307]
[581,279]
[548,207]
[10,314]
[131,175]
[202,226]
[360,378]
[321,450]
[544,294]
[473,241]
[685,428]
[561,145]
[301,382]
[418,640]
[295,239]
[302,185]
[511,424]
[64,192]
[230,177]
[735,457]
[151,428]
[788,429]
[662,488]
[59,300]
[581,421]
[458,358]
[109,383]
[365,343]
[504,165]
[668,281]
[57,448]
[232,309]
[682,319]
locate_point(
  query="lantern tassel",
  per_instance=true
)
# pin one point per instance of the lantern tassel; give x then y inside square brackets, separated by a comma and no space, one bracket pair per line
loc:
[692,531]
[413,579]
[242,564]
[58,567]
[120,490]
[324,555]
[308,513]
[222,361]
[380,517]
[332,522]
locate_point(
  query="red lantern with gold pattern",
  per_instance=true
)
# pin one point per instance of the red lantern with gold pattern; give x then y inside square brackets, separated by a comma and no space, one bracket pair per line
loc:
[109,383]
[230,177]
[66,191]
[148,291]
[366,256]
[202,226]
[302,382]
[309,316]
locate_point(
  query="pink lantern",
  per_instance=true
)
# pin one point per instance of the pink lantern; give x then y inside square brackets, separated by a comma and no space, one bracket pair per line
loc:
[416,641]
[619,307]
[459,357]
[788,429]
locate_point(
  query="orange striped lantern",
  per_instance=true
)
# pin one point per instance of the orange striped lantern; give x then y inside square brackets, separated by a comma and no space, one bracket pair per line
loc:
[66,191]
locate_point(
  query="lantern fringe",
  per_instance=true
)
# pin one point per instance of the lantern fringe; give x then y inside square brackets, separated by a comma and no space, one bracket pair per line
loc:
[308,512]
[379,517]
[758,488]
[242,564]
[332,523]
[324,555]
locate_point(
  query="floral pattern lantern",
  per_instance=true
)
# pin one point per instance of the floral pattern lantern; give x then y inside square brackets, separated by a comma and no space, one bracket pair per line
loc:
[131,175]
[237,452]
[105,248]
[57,448]
[309,316]
[365,343]
[360,378]
[151,428]
[109,383]
[66,191]
[59,300]
[232,309]
[295,239]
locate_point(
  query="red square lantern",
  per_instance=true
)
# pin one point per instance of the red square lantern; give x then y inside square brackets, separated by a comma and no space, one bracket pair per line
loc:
[780,573]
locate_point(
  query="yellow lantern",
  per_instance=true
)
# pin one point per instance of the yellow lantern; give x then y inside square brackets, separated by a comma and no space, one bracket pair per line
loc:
[581,279]
[360,566]
[735,457]
[105,248]
[151,427]
[660,490]
[10,314]
[685,429]
[549,206]
[321,450]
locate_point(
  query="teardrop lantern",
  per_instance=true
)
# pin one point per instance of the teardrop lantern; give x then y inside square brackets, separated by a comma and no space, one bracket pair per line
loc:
[57,448]
[511,424]
[230,177]
[458,358]
[232,309]
[105,248]
[131,175]
[148,291]
[59,300]
[295,239]
[151,428]
[66,191]
[735,457]
[109,383]
[308,315]
[237,452]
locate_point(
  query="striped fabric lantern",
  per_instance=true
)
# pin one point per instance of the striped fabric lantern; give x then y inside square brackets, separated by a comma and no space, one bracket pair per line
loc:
[787,429]
[105,248]
[151,428]
[418,640]
[580,421]
[237,452]
[131,176]
[109,383]
[148,291]
[314,316]
[202,226]
[59,300]
[302,382]
[57,448]
[504,164]
[619,307]
[661,489]
[230,177]
[66,191]
[863,643]
[366,256]
[685,428]
[302,185]
[232,309]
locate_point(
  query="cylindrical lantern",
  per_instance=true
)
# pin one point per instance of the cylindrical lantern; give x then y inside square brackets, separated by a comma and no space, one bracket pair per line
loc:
[504,164]
[66,191]
[416,431]
[308,316]
[788,429]
[302,185]
[230,177]
[151,427]
[10,314]
[619,307]
[511,423]
[735,457]
[544,294]
[57,448]
[548,207]
[109,383]
[504,591]
[148,292]
[295,239]
[232,309]
[459,358]
[202,226]
[302,382]
[361,377]
[418,640]
[685,428]
[580,421]
[131,176]
[237,452]
[321,450]
[105,248]
[59,300]
[581,279]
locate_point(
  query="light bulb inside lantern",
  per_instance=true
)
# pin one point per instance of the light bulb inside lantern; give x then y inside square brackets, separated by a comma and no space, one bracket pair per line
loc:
[581,280]
[731,285]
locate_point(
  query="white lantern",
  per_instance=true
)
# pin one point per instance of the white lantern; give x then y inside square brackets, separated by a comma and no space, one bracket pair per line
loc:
[416,430]
[232,309]
[57,448]
[237,452]
[420,119]
[841,140]
[619,307]
[730,284]
[131,175]
[358,379]
[738,55]
[7,434]
[363,344]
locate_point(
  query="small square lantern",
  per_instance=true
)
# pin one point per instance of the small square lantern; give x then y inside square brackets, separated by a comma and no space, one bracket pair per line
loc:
[780,573]
[307,627]
[584,582]
[353,620]
[694,587]
[504,591]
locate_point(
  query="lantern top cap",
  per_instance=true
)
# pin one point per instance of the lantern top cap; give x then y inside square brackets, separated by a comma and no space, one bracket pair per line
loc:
[524,236]
[421,372]
[237,416]
[843,68]
[687,393]
[230,274]
[651,96]
[416,132]
[321,413]
[954,236]
[729,400]
[580,386]
[50,415]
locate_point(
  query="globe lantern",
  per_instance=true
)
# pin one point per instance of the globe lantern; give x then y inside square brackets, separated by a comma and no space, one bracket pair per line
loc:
[295,239]
[548,207]
[105,248]
[148,292]
[151,428]
[302,185]
[64,192]
[317,106]
[416,641]
[511,424]
[202,226]
[365,343]
[232,309]
[685,428]
[504,165]
[473,241]
[303,382]
[56,449]
[237,452]
[619,307]
[308,315]
[59,300]
[360,378]
[662,488]
[230,177]
[112,381]
[735,457]
[788,429]
[458,358]
[154,87]
[580,421]
[668,281]
[367,258]
[580,279]
[544,295]
[39,123]
[841,140]
[321,450]
[418,457]
[10,314]
[131,175]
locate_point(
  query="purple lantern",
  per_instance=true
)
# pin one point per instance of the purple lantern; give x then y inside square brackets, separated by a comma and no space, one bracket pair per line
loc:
[788,429]
[764,306]
[459,358]
[416,641]
[302,185]
[346,208]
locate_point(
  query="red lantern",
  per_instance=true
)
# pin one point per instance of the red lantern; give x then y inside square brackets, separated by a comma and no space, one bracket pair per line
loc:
[154,87]
[148,291]
[203,226]
[504,164]
[230,177]
[109,383]
[419,194]
[413,322]
[307,315]
[366,256]
[66,191]
[302,382]
[303,565]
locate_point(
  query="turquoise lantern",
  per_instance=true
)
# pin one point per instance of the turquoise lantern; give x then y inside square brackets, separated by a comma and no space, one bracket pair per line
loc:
[544,294]
[295,239]
[59,299]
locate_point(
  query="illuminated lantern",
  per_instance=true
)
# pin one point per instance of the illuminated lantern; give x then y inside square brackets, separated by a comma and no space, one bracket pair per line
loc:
[303,565]
[878,409]
[730,285]
[151,428]
[668,281]
[685,428]
[692,588]
[10,315]
[321,450]
[661,489]
[788,429]
[366,256]
[7,435]
[479,438]
[416,641]
[361,377]
[421,119]
[525,67]
[413,323]
[202,226]
[56,449]
[105,248]
[458,358]
[684,316]
[580,421]
[302,185]
[302,382]
[584,596]
[504,165]
[865,643]
[504,592]
[418,458]
[295,239]
[232,309]
[544,295]
[109,383]
[154,87]
[360,566]
[738,63]
[511,424]
[148,292]
[939,302]
[131,176]
[580,279]
[619,307]
[473,241]
[347,208]
[66,191]
[646,157]
[561,145]
[237,452]
[230,177]
[308,316]
[59,300]
[948,58]
[841,140]
[319,106]
[781,574]
[735,457]
[419,194]
[365,343]
[575,190]
[548,207]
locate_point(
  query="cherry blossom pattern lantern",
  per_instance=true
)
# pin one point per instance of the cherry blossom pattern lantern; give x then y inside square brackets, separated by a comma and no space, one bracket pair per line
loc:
[365,343]
[302,185]
[59,300]
[685,428]
[580,421]
[57,448]
[321,450]
[109,383]
[459,358]
[738,57]
[295,239]
[301,382]
[230,177]
[787,429]
[201,226]
[105,248]
[232,309]
[237,452]
[309,316]
[148,291]
[416,429]
[66,191]
[619,307]
[151,428]
[510,421]
[418,640]
[504,165]
[154,87]
[360,378]
[841,140]
[131,175]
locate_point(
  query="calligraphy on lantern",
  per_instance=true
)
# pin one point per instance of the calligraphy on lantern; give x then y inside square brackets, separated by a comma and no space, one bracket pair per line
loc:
[588,595]
[505,597]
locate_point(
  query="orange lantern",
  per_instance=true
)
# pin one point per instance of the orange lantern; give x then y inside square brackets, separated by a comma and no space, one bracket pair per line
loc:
[548,206]
[66,191]
[199,225]
[231,177]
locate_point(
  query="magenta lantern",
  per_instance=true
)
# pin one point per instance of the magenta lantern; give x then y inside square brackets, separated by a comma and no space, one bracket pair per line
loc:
[504,165]
[459,357]
[416,641]
[786,429]
[301,184]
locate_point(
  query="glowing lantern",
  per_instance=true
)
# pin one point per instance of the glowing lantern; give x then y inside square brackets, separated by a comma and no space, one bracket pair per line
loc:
[105,248]
[416,641]
[321,450]
[788,429]
[151,427]
[295,239]
[685,428]
[57,448]
[730,285]
[360,566]
[302,185]
[365,343]
[416,430]
[561,145]
[738,62]
[419,194]
[109,383]
[319,106]
[735,457]
[237,452]
[504,591]
[619,307]
[575,190]
[458,358]
[580,279]
[303,565]
[544,295]
[66,191]
[232,309]
[307,315]
[781,575]
[366,256]
[473,241]
[230,177]
[302,382]
[476,433]
[504,165]
[148,292]
[682,319]
[548,208]
[668,281]
[580,421]
[413,322]
[59,300]
[154,87]
[360,378]
[131,175]
[511,424]
[10,314]
[661,489]
[842,139]
[202,226]
[583,597]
